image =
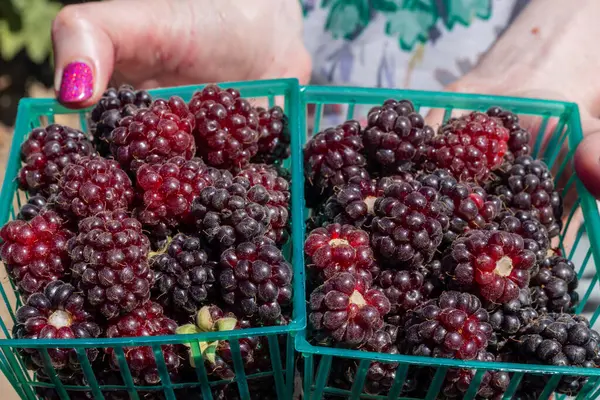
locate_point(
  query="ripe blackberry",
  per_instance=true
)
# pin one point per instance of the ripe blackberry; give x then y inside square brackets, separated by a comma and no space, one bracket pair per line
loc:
[510,319]
[109,262]
[217,355]
[113,106]
[528,186]
[493,383]
[471,207]
[33,207]
[491,264]
[453,326]
[91,185]
[340,248]
[228,213]
[56,313]
[562,340]
[154,134]
[535,235]
[395,135]
[46,153]
[406,290]
[332,157]
[554,287]
[256,279]
[166,190]
[354,203]
[347,309]
[469,147]
[226,127]
[273,136]
[184,275]
[145,320]
[518,142]
[278,204]
[35,252]
[409,224]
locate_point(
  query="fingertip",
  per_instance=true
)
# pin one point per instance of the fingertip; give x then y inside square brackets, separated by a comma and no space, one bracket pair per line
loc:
[587,163]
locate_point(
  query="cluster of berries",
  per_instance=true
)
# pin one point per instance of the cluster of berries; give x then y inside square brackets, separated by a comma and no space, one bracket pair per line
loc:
[439,244]
[166,212]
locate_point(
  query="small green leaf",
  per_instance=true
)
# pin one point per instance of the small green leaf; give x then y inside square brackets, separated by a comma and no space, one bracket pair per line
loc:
[464,11]
[412,22]
[209,350]
[204,320]
[226,324]
[187,329]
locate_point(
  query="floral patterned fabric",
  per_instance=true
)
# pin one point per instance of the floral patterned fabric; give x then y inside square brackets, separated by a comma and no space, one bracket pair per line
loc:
[417,44]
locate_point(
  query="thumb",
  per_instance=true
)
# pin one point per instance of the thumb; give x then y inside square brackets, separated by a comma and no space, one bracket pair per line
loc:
[587,156]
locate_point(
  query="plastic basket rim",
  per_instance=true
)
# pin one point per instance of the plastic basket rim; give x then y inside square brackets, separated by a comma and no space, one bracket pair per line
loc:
[297,323]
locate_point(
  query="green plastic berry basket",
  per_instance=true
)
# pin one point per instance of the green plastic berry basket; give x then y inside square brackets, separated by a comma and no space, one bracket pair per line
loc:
[559,131]
[41,112]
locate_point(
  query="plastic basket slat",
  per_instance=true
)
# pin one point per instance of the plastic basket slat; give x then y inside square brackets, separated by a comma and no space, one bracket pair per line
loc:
[350,111]
[591,386]
[126,373]
[89,373]
[10,376]
[289,366]
[584,264]
[515,381]
[436,383]
[359,379]
[447,113]
[555,145]
[165,379]
[399,379]
[550,387]
[318,117]
[51,372]
[276,365]
[308,374]
[474,386]
[322,375]
[238,365]
[201,370]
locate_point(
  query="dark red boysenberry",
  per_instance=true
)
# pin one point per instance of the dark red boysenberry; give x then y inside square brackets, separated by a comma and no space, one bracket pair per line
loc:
[406,290]
[520,139]
[154,134]
[409,224]
[256,279]
[340,248]
[273,136]
[453,326]
[395,135]
[528,186]
[471,207]
[469,147]
[56,313]
[166,190]
[492,264]
[511,318]
[146,320]
[109,262]
[226,127]
[553,288]
[332,157]
[46,153]
[33,207]
[347,309]
[278,204]
[535,235]
[35,252]
[113,106]
[92,185]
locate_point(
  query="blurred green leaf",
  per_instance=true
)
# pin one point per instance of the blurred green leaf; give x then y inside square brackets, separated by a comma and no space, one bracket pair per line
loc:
[347,17]
[464,11]
[412,22]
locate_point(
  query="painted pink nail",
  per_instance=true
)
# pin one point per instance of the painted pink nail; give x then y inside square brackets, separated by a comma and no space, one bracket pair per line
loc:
[77,83]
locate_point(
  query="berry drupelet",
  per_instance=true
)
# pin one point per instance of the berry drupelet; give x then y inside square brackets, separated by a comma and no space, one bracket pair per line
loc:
[153,134]
[35,252]
[167,189]
[409,224]
[185,277]
[340,248]
[92,185]
[56,313]
[278,204]
[511,318]
[332,157]
[491,264]
[535,235]
[256,279]
[528,186]
[113,106]
[469,147]
[347,309]
[406,290]
[273,136]
[146,320]
[471,207]
[33,207]
[518,142]
[109,262]
[561,340]
[553,288]
[453,326]
[229,213]
[395,136]
[46,153]
[226,127]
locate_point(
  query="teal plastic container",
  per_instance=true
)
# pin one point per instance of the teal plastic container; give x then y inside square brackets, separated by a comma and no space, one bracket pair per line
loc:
[34,113]
[559,132]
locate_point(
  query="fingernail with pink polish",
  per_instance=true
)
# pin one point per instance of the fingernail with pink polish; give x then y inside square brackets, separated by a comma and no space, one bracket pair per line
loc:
[77,83]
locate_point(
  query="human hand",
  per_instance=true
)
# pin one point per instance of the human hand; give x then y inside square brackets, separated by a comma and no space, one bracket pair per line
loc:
[150,43]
